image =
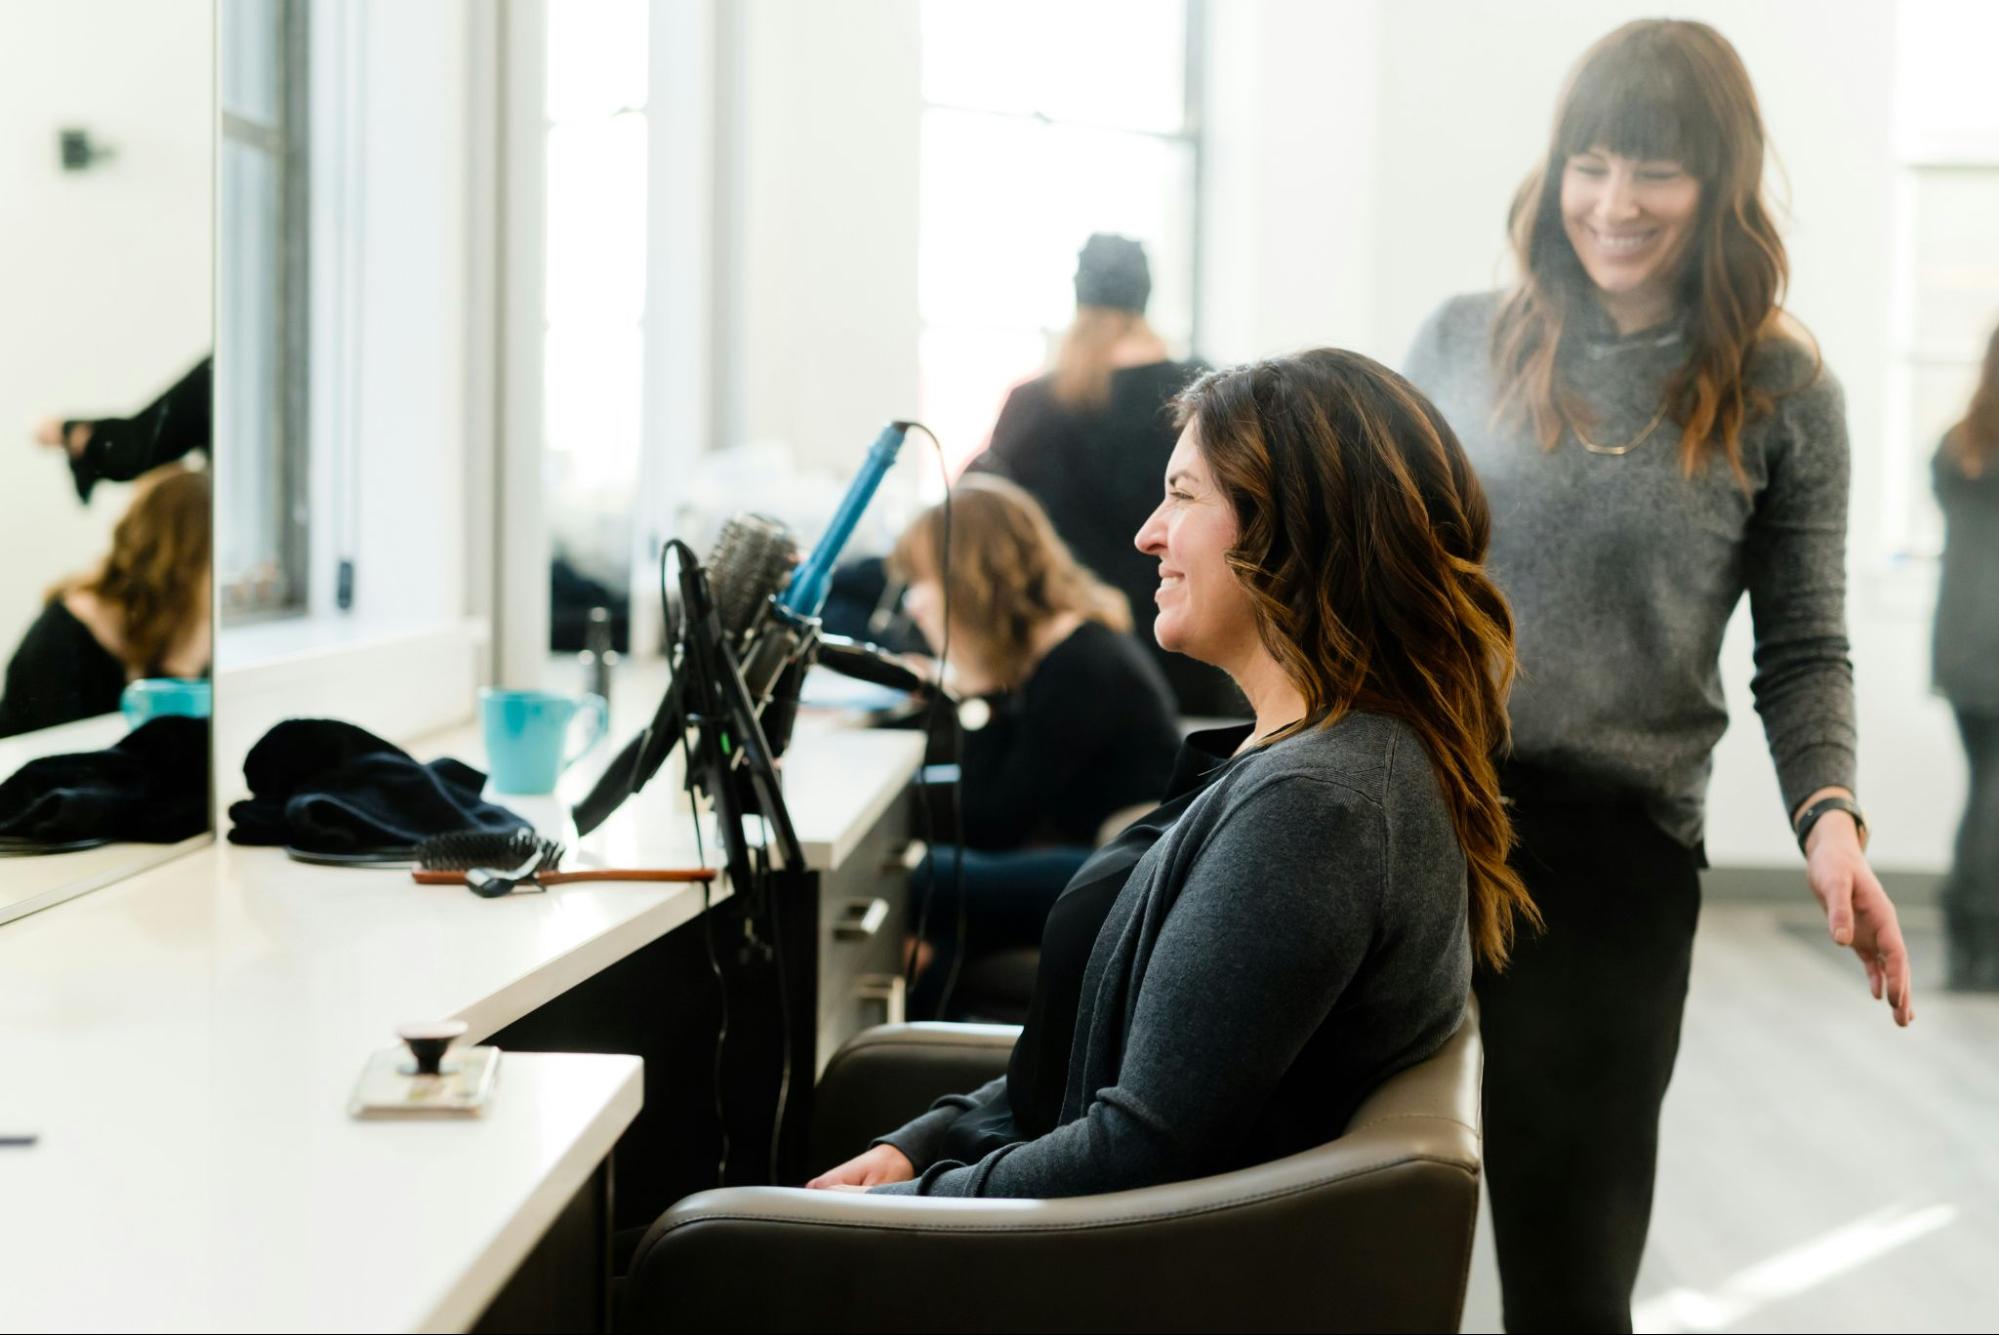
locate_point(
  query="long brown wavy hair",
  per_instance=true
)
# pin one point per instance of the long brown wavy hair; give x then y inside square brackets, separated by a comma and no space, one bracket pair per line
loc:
[1009,573]
[157,573]
[1974,442]
[1362,539]
[1656,89]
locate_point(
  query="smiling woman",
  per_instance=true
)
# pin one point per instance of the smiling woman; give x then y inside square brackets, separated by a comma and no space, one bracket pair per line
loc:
[1650,289]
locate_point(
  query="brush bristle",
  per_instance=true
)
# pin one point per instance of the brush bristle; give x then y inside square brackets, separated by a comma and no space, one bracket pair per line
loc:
[467,849]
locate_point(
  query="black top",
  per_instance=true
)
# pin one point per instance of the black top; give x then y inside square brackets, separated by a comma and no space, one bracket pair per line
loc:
[1090,733]
[1099,475]
[151,787]
[121,448]
[323,786]
[58,675]
[1039,1069]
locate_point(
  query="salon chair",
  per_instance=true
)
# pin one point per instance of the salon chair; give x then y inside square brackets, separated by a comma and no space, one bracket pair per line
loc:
[1371,1231]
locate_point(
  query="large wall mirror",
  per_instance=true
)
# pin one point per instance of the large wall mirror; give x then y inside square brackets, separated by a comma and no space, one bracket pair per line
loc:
[105,588]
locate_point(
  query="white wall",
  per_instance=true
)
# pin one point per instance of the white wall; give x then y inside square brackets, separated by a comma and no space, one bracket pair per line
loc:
[826,321]
[105,272]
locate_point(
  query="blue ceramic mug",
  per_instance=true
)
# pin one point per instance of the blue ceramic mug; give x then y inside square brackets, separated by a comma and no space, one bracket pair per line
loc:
[160,697]
[527,733]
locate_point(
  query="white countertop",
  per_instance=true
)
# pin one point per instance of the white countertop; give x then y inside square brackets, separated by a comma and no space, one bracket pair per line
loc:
[184,1042]
[196,1186]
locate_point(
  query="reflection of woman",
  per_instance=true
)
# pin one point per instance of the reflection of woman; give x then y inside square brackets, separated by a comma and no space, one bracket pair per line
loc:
[1080,725]
[1088,441]
[1654,443]
[1966,473]
[118,449]
[1225,981]
[142,613]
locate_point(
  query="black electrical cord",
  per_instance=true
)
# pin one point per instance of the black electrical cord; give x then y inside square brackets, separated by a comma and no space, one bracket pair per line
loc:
[669,620]
[783,1008]
[957,735]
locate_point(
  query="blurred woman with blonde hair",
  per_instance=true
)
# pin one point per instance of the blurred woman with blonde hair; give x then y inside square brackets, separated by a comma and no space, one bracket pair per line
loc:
[142,612]
[1074,721]
[1088,440]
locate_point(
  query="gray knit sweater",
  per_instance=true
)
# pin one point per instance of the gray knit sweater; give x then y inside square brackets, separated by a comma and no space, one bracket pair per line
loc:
[1967,624]
[1623,572]
[1297,936]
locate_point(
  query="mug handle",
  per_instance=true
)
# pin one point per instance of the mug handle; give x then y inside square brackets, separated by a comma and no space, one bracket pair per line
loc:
[599,711]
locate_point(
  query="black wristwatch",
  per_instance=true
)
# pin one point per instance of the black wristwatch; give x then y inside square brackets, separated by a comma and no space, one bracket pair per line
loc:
[1812,813]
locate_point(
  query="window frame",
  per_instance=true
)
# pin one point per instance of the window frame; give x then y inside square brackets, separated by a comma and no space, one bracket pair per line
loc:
[287,143]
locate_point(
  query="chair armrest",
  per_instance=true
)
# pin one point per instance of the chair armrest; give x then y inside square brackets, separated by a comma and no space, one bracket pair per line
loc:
[1371,1232]
[884,1076]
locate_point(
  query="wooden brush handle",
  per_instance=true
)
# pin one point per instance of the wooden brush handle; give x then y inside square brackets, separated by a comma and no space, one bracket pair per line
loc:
[422,877]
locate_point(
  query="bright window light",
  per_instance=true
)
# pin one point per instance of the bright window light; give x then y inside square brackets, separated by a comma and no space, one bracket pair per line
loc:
[1043,122]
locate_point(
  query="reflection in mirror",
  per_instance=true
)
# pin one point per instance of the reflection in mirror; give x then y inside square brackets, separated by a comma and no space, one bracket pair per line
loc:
[104,555]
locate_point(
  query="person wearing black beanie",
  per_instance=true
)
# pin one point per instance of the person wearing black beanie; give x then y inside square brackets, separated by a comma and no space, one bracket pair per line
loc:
[1089,440]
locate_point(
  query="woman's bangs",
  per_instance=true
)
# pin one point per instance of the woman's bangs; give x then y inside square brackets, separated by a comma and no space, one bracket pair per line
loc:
[1642,108]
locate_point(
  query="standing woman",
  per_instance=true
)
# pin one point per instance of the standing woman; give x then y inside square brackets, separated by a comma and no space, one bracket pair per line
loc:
[1090,438]
[1966,475]
[1656,439]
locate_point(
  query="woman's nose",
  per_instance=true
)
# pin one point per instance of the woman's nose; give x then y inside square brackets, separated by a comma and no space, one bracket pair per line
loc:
[1151,535]
[1619,200]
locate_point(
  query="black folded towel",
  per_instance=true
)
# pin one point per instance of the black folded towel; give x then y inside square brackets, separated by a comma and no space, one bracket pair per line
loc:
[149,788]
[323,786]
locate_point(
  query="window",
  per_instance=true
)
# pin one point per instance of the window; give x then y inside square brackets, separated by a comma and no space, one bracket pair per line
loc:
[594,303]
[260,559]
[1045,121]
[1947,288]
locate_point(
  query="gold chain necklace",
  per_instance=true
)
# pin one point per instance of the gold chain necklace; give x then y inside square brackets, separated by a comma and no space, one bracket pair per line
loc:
[1629,445]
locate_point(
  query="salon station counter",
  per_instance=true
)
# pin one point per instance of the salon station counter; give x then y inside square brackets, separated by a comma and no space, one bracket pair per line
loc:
[182,1046]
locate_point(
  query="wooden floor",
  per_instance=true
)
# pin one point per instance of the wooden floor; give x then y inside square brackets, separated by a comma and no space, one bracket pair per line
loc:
[1820,1170]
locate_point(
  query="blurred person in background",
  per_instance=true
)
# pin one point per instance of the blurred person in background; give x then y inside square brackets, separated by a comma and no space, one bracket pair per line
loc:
[1075,720]
[1966,475]
[143,612]
[1657,438]
[118,449]
[1089,439]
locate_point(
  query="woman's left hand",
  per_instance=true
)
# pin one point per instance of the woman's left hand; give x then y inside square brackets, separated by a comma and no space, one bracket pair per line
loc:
[1858,911]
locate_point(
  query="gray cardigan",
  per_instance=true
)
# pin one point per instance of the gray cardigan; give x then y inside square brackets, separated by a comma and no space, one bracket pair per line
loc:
[1296,937]
[1623,572]
[1967,625]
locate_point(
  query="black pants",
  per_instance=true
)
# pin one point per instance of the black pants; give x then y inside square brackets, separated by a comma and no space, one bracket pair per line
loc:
[1580,1031]
[1971,892]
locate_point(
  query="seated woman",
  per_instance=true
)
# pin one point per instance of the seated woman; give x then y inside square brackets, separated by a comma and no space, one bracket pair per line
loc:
[143,612]
[1079,721]
[1226,981]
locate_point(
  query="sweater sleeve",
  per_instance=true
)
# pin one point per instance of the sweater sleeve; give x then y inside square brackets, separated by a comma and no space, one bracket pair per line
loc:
[179,421]
[1270,926]
[921,1139]
[1795,569]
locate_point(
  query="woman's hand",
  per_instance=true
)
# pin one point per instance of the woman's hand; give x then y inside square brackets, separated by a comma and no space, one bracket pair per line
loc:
[50,432]
[876,1168]
[1858,912]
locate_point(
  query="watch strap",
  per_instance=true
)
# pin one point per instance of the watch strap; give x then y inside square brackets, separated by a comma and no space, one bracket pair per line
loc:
[1817,810]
